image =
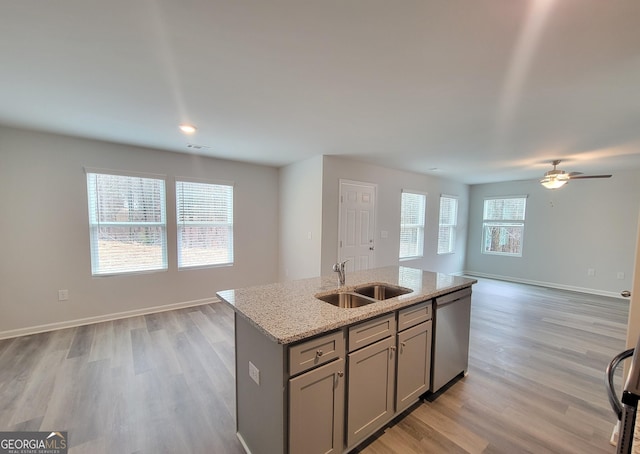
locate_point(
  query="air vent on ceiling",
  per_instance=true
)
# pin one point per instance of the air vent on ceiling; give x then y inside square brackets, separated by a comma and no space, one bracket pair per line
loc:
[198,147]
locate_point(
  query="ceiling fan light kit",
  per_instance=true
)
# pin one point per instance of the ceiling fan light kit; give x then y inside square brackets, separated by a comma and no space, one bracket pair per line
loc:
[555,179]
[552,182]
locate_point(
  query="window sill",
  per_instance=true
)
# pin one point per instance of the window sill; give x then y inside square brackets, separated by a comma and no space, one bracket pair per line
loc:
[407,259]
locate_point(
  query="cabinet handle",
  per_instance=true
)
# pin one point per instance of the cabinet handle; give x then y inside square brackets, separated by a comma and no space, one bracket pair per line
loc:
[340,374]
[402,344]
[393,348]
[318,352]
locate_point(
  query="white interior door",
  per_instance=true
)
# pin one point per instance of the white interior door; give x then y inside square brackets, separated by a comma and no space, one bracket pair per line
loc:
[633,325]
[357,225]
[633,330]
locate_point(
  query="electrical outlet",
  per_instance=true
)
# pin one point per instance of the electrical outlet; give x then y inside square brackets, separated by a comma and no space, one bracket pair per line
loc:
[620,275]
[63,295]
[591,272]
[254,373]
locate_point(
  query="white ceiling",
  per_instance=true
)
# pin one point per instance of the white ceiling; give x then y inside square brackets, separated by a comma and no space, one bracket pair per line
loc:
[483,90]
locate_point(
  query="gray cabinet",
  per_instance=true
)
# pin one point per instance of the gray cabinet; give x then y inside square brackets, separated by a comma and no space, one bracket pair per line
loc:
[316,395]
[316,410]
[327,394]
[414,364]
[371,375]
[386,372]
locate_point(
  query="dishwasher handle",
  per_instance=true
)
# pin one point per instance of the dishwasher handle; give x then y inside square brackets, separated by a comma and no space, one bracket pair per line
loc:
[450,298]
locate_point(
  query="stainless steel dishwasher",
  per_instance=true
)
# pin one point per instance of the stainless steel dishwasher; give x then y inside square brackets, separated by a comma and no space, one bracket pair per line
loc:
[451,321]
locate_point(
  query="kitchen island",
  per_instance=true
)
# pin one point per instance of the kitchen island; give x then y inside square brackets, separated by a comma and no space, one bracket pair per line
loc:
[313,376]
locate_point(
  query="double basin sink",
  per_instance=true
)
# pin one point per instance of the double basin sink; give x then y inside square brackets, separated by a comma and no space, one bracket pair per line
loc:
[363,295]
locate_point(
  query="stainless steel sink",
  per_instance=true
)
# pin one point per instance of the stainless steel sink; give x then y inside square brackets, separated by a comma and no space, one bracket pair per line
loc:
[381,291]
[346,300]
[363,295]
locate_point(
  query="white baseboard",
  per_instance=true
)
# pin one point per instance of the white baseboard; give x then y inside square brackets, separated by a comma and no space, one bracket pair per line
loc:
[103,318]
[572,288]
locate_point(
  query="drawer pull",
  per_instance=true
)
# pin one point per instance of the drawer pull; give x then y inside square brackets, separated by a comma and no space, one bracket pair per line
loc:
[318,353]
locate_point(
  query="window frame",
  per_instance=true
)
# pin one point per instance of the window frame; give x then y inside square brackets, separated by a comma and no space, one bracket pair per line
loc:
[180,224]
[95,223]
[452,227]
[420,228]
[520,223]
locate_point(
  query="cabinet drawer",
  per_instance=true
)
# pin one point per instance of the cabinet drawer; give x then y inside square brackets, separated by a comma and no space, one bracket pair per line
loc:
[368,332]
[314,352]
[414,315]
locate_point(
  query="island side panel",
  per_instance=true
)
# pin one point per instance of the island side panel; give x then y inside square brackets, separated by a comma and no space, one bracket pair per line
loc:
[260,409]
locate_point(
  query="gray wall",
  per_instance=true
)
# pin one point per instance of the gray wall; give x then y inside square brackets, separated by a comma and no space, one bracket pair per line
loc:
[390,184]
[300,219]
[44,227]
[586,224]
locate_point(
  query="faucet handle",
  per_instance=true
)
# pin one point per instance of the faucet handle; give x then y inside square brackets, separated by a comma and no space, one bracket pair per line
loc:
[339,265]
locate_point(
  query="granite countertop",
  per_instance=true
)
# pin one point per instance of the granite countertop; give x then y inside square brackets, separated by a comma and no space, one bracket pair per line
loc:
[287,312]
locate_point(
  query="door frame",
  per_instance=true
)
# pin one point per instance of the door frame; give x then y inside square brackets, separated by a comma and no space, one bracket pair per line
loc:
[374,186]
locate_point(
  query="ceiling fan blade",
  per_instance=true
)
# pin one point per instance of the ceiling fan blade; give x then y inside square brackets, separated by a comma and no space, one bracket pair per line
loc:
[573,174]
[590,176]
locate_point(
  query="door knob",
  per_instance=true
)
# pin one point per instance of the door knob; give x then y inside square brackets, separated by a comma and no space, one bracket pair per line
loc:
[625,294]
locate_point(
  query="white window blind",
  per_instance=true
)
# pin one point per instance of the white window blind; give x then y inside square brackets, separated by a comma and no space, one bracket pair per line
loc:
[503,225]
[447,224]
[127,222]
[204,213]
[412,214]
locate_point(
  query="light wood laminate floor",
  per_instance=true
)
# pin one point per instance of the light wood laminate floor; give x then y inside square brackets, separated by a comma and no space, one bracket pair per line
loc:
[164,383]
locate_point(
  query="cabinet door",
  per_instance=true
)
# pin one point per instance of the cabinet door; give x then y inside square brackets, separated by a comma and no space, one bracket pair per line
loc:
[316,410]
[414,364]
[371,389]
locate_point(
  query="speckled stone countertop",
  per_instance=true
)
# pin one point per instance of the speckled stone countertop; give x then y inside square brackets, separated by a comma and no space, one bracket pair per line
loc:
[287,312]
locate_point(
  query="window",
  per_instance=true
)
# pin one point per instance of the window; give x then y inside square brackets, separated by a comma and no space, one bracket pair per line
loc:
[127,219]
[204,214]
[412,209]
[447,225]
[503,225]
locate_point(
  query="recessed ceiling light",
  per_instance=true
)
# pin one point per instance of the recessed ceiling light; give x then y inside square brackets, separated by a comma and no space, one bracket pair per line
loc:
[187,129]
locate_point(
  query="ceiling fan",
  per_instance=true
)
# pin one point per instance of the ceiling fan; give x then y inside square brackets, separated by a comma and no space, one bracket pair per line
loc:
[554,179]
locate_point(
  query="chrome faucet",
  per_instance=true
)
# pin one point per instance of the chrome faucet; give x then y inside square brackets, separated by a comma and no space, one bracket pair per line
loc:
[339,268]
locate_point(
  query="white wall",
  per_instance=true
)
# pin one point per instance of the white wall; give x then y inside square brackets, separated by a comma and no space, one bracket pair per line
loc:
[45,234]
[300,219]
[586,224]
[390,184]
